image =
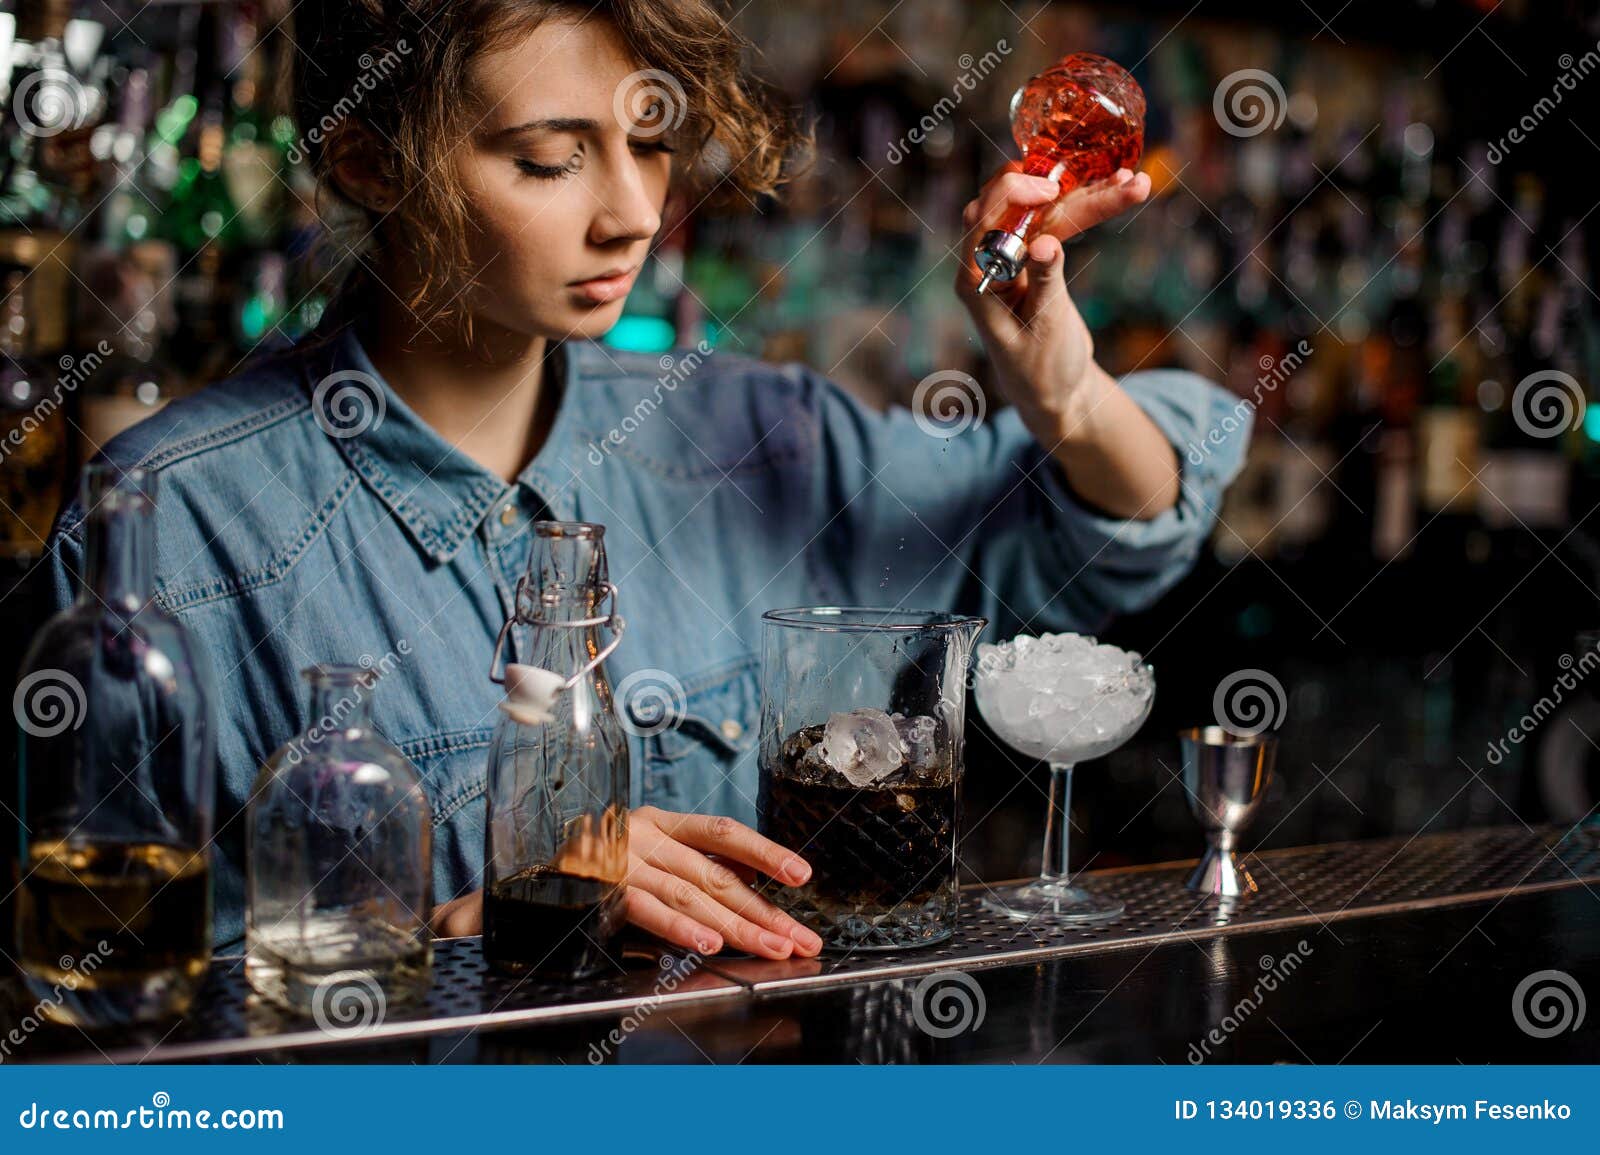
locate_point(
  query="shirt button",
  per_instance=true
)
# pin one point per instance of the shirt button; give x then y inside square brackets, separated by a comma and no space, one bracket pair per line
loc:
[731,728]
[508,515]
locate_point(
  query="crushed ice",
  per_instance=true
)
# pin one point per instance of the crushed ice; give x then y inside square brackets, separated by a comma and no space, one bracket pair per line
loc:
[1049,694]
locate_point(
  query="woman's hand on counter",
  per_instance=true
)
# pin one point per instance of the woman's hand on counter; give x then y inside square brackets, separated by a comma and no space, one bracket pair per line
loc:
[688,882]
[458,917]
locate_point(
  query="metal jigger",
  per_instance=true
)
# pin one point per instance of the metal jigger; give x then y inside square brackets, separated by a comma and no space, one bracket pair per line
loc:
[1225,775]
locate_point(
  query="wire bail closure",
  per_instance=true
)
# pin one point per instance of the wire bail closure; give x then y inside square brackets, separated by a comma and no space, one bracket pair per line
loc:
[612,621]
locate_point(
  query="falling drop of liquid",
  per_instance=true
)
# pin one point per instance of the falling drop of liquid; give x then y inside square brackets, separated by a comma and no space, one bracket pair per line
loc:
[884,583]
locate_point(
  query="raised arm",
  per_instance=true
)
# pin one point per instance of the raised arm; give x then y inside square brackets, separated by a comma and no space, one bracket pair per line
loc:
[989,521]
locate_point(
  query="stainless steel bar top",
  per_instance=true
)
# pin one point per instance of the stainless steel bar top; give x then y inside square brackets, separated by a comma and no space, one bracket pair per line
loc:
[1308,886]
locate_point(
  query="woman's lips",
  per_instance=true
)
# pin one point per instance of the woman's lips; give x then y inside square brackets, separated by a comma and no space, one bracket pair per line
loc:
[600,290]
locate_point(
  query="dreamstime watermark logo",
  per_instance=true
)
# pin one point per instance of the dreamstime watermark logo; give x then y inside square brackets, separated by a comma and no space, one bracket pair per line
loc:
[49,702]
[1274,372]
[347,1005]
[972,71]
[652,701]
[374,70]
[51,101]
[675,969]
[1548,1003]
[1547,403]
[160,1115]
[972,668]
[74,372]
[348,403]
[948,1003]
[73,972]
[1249,102]
[675,370]
[1565,683]
[1572,71]
[650,103]
[947,403]
[345,704]
[1250,702]
[1274,972]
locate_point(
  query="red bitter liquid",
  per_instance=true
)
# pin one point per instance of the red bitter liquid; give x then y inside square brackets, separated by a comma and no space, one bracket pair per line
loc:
[1076,136]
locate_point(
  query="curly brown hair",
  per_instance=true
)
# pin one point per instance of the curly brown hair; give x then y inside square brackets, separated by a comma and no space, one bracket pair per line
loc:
[389,75]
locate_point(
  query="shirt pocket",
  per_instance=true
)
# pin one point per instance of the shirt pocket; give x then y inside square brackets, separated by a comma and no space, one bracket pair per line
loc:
[700,749]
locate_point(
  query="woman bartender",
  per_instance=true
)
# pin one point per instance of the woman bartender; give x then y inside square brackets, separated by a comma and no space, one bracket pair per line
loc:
[505,190]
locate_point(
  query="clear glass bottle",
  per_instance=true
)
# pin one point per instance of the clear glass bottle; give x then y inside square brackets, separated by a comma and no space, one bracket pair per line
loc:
[340,862]
[116,745]
[556,851]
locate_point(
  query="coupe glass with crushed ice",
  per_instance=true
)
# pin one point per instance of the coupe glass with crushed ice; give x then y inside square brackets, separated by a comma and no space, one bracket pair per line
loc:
[1061,698]
[861,762]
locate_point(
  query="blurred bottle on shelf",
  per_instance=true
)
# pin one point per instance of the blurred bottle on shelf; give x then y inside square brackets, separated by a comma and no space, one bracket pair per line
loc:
[252,161]
[125,319]
[33,428]
[50,113]
[52,110]
[122,148]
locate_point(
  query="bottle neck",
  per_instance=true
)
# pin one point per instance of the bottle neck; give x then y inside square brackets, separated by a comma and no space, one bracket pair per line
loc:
[43,19]
[339,703]
[564,649]
[119,553]
[567,568]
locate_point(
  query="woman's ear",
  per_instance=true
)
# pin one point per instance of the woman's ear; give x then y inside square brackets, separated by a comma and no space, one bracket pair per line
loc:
[358,171]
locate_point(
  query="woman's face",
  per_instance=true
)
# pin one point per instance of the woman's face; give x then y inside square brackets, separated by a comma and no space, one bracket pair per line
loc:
[561,191]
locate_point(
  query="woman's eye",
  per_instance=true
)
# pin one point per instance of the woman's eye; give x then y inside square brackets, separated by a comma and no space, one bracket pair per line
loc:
[542,171]
[549,171]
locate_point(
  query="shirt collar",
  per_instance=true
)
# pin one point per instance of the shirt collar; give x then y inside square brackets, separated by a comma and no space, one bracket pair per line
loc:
[438,493]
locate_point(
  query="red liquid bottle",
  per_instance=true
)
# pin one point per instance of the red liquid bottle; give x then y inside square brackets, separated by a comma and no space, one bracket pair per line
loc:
[1078,121]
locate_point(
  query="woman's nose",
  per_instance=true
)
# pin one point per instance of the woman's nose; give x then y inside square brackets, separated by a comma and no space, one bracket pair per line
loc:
[628,207]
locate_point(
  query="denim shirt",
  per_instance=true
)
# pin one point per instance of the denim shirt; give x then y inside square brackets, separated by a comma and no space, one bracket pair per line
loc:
[727,486]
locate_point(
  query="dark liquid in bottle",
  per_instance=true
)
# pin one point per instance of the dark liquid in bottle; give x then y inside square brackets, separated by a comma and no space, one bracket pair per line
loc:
[112,932]
[542,921]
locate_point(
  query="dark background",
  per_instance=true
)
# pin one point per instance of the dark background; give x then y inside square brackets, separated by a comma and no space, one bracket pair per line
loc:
[1428,279]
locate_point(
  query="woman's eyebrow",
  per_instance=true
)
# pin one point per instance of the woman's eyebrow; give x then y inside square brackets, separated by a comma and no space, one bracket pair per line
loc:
[552,124]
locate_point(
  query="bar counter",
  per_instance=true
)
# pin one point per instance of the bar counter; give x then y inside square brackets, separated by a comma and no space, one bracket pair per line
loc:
[1427,949]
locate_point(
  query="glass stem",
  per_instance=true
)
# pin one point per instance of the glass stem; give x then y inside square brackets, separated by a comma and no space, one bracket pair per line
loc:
[1058,825]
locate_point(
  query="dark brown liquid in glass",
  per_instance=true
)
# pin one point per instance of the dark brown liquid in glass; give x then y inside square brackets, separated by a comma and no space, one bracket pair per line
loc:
[545,922]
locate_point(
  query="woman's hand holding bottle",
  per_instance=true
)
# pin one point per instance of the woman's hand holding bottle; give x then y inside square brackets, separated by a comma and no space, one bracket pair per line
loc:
[1042,353]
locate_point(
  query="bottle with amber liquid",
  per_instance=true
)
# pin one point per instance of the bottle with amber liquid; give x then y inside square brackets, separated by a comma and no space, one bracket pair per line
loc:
[557,787]
[1077,122]
[116,752]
